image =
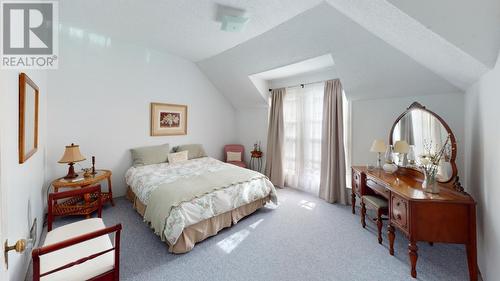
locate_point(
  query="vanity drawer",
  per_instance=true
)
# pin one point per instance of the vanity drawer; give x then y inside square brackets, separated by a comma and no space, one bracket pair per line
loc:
[399,212]
[378,188]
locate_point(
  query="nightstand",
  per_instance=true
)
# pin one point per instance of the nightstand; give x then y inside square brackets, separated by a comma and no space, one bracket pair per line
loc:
[77,206]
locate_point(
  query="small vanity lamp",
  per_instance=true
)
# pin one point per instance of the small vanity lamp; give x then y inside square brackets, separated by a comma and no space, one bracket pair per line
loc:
[71,156]
[379,147]
[401,147]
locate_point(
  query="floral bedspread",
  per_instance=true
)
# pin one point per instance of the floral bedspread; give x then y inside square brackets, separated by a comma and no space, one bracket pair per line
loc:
[144,179]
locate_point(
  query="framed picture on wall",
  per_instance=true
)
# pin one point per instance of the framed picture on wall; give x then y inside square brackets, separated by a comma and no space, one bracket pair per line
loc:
[168,119]
[28,117]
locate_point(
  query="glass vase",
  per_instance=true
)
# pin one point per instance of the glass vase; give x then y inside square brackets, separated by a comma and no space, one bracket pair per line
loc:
[430,184]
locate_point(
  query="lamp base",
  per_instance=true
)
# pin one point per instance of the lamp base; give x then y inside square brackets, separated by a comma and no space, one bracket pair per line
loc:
[379,161]
[71,172]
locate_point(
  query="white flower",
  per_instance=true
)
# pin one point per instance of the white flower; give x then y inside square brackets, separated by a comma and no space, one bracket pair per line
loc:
[425,161]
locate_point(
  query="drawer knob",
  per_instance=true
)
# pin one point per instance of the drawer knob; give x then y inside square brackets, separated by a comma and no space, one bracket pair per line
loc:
[398,204]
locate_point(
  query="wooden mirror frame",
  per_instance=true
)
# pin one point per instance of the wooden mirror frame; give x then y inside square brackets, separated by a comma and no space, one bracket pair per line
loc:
[453,182]
[25,81]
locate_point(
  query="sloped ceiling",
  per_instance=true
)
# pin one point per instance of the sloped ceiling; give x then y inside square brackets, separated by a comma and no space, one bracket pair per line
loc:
[367,65]
[472,26]
[414,39]
[380,47]
[186,28]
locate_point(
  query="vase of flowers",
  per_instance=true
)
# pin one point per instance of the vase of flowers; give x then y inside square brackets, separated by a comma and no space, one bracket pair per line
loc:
[429,184]
[429,164]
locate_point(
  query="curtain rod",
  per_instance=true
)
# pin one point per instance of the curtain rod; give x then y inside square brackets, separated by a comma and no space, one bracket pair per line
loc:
[300,85]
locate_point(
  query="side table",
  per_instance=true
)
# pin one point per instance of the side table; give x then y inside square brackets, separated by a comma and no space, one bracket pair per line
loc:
[256,160]
[75,206]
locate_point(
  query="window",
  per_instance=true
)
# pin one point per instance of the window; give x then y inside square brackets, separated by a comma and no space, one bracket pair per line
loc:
[303,116]
[346,107]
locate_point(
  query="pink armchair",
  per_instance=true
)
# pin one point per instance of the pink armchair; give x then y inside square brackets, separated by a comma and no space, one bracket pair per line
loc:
[235,148]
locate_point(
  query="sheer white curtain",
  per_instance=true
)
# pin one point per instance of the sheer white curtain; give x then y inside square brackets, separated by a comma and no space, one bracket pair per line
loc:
[303,114]
[346,106]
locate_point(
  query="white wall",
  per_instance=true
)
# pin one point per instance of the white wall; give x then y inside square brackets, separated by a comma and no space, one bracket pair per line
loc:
[373,119]
[22,184]
[252,125]
[482,167]
[100,99]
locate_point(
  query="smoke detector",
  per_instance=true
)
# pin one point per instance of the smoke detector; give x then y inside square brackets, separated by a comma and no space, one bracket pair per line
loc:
[231,19]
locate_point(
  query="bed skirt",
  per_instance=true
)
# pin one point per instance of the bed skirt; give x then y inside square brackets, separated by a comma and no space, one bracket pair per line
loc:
[202,230]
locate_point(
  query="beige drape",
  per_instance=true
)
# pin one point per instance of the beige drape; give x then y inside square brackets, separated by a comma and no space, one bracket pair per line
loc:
[332,183]
[275,139]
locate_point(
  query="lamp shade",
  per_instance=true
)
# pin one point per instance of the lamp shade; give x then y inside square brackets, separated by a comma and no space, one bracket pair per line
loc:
[378,146]
[72,154]
[401,146]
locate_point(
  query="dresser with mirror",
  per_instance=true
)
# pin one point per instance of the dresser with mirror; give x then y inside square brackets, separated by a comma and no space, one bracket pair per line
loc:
[445,216]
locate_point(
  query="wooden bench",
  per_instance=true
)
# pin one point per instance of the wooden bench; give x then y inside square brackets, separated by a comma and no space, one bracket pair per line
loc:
[79,251]
[381,207]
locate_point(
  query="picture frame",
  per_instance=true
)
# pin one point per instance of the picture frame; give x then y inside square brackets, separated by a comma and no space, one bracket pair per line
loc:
[28,117]
[168,119]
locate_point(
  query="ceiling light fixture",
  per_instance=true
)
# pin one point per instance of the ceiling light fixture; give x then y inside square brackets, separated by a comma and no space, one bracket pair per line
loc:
[231,19]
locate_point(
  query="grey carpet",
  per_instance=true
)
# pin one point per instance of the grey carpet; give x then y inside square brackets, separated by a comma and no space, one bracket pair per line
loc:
[304,238]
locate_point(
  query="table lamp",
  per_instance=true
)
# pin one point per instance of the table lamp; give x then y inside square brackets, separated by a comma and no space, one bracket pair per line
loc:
[379,147]
[401,147]
[71,156]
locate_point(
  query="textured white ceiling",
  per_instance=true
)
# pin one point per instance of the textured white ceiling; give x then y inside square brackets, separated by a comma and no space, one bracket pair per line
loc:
[473,26]
[182,27]
[414,39]
[380,47]
[367,65]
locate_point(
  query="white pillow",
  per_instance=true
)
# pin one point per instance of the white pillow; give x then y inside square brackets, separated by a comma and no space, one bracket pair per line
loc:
[233,156]
[178,157]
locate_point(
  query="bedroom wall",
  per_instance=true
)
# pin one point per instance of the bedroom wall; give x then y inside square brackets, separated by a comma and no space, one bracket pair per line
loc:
[252,125]
[23,190]
[482,166]
[373,118]
[100,99]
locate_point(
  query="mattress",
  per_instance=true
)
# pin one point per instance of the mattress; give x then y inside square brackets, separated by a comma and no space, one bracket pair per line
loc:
[143,180]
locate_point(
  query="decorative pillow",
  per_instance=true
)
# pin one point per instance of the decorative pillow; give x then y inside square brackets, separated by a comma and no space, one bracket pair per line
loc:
[233,156]
[178,157]
[148,155]
[194,150]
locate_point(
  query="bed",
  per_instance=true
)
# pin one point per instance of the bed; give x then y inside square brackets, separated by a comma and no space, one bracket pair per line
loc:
[187,202]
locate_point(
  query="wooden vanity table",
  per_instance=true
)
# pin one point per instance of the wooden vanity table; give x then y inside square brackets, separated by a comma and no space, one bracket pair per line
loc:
[446,217]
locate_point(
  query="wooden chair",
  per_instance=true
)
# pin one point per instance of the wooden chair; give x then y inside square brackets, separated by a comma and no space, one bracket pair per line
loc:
[80,250]
[381,207]
[92,201]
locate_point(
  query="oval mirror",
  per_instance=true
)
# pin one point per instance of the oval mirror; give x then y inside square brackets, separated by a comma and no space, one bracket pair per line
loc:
[419,132]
